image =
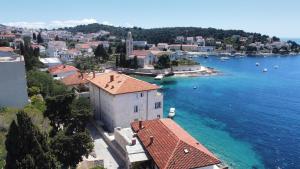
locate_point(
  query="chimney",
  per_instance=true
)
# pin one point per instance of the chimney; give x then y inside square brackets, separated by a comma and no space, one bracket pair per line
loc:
[111,78]
[151,140]
[141,124]
[133,141]
[64,66]
[94,74]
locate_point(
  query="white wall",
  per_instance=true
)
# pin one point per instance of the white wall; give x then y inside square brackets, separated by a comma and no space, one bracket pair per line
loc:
[118,110]
[13,84]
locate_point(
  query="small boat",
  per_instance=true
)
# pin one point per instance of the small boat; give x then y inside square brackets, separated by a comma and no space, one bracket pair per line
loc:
[276,66]
[205,56]
[257,64]
[265,70]
[224,58]
[159,77]
[195,87]
[171,112]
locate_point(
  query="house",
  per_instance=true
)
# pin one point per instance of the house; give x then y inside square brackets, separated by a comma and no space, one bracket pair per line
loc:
[162,46]
[61,71]
[190,48]
[140,44]
[6,49]
[118,99]
[84,47]
[41,48]
[145,57]
[189,40]
[171,147]
[179,39]
[69,55]
[9,37]
[79,82]
[50,62]
[13,85]
[55,48]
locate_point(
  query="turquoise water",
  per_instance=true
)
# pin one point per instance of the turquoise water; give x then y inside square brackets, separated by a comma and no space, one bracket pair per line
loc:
[248,118]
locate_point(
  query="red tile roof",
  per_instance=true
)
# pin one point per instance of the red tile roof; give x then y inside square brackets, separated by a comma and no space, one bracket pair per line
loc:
[61,69]
[140,53]
[172,147]
[75,79]
[121,83]
[6,49]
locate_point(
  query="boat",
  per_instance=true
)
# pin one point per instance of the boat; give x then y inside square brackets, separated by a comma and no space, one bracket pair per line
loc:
[257,64]
[224,58]
[205,56]
[159,77]
[265,70]
[171,112]
[195,87]
[276,66]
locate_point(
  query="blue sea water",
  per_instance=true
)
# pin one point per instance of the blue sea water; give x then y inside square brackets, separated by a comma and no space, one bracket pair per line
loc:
[248,118]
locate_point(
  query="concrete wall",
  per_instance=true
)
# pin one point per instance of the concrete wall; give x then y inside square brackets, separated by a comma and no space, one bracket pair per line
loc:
[187,68]
[118,110]
[13,84]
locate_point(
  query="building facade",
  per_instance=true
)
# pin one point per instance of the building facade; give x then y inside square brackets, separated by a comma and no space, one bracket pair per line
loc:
[118,100]
[13,85]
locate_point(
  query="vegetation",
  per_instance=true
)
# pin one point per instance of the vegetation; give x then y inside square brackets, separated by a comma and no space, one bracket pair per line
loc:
[39,38]
[26,146]
[163,62]
[31,56]
[165,35]
[101,54]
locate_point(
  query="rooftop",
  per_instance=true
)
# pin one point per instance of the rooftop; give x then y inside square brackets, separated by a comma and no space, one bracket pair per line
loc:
[75,79]
[116,83]
[6,49]
[171,146]
[61,69]
[10,57]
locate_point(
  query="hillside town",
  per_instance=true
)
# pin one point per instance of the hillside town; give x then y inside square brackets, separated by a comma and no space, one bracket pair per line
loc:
[126,122]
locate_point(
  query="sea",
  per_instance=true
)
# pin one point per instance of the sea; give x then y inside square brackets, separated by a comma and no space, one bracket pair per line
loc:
[248,118]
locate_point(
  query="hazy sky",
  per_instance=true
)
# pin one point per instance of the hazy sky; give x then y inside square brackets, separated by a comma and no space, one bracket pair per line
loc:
[272,17]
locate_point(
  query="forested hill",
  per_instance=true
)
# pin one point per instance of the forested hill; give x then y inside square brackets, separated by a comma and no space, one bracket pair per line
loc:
[168,34]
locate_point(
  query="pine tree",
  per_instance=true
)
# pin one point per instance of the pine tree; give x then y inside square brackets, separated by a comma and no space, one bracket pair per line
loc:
[56,38]
[101,54]
[34,36]
[26,146]
[39,38]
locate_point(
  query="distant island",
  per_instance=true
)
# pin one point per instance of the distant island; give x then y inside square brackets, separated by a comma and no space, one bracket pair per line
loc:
[222,40]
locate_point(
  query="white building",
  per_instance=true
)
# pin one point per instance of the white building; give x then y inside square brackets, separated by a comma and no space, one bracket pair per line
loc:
[13,85]
[55,47]
[50,62]
[145,58]
[162,46]
[140,44]
[118,99]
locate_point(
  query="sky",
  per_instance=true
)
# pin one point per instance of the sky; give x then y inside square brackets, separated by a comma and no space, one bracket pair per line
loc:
[272,17]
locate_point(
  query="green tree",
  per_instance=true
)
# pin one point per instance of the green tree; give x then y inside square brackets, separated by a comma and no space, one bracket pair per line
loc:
[59,115]
[34,36]
[56,38]
[163,62]
[109,51]
[69,148]
[27,147]
[135,62]
[39,38]
[100,53]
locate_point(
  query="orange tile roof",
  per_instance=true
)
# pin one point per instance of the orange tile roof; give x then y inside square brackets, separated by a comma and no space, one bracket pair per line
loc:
[75,79]
[140,53]
[121,83]
[61,69]
[172,146]
[6,49]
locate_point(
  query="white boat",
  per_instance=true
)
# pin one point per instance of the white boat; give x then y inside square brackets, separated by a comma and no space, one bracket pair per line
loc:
[276,66]
[265,70]
[171,112]
[257,64]
[224,58]
[159,77]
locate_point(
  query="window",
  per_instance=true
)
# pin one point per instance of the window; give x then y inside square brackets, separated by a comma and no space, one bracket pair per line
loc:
[157,105]
[142,94]
[135,109]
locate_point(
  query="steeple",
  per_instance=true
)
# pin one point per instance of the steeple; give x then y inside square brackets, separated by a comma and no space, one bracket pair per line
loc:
[129,45]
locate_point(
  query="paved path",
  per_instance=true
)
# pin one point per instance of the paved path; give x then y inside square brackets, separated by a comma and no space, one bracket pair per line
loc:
[103,151]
